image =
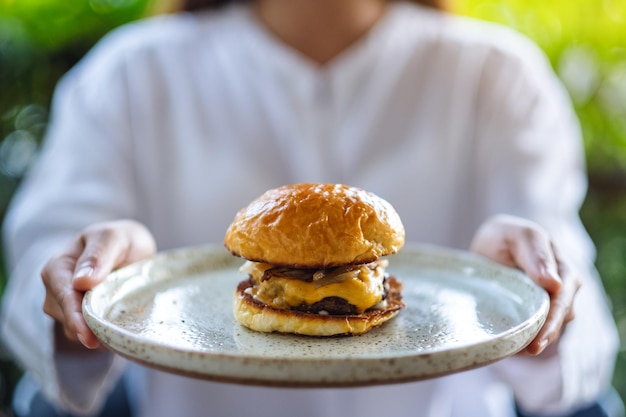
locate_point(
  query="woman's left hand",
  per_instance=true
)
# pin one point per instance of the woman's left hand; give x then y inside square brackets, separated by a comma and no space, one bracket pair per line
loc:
[525,245]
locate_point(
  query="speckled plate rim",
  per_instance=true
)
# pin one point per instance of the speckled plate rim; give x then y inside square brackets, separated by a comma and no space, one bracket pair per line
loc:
[379,368]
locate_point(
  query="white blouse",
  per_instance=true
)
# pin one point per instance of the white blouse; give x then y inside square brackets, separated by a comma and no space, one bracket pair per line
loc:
[179,121]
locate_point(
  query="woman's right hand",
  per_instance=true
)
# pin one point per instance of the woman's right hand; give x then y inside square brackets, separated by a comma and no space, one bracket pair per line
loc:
[91,256]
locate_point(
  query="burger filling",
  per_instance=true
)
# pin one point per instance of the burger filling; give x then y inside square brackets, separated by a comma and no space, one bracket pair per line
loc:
[350,289]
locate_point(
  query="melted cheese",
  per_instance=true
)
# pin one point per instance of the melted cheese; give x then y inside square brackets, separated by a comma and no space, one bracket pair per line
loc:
[364,289]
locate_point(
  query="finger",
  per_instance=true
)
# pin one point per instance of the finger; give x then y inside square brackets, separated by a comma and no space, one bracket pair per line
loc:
[64,304]
[521,244]
[534,254]
[548,334]
[75,326]
[561,312]
[65,342]
[57,279]
[102,249]
[109,246]
[83,332]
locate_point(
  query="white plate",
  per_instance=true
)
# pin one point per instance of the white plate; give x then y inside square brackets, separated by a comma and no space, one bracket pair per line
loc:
[174,313]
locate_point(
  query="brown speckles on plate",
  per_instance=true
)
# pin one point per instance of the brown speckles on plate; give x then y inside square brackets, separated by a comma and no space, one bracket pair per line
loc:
[174,313]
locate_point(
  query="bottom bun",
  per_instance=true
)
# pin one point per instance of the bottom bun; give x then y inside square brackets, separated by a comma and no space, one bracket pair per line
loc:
[263,318]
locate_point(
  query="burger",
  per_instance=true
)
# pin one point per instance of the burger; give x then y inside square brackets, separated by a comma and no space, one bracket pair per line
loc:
[314,260]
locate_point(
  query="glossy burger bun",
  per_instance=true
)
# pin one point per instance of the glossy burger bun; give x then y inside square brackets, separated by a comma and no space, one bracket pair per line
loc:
[315,226]
[260,317]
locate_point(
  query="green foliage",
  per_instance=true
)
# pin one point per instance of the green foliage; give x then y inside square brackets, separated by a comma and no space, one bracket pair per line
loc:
[54,24]
[604,214]
[39,41]
[585,41]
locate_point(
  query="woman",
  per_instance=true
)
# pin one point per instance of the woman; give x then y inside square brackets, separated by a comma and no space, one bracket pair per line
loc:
[172,124]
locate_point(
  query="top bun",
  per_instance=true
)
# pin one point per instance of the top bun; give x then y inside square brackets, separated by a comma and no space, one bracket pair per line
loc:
[315,226]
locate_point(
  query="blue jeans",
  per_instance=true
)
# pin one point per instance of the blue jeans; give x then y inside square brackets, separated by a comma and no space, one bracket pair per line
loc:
[609,405]
[117,405]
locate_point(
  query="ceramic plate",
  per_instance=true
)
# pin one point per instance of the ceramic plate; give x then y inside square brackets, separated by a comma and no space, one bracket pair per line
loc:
[174,313]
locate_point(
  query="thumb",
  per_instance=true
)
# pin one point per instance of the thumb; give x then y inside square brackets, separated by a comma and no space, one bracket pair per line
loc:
[107,246]
[98,259]
[537,257]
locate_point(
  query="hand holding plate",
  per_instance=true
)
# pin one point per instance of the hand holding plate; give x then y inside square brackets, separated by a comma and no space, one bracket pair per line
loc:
[87,260]
[523,244]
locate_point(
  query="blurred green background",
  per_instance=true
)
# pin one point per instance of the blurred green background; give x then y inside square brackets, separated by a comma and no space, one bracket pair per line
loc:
[584,39]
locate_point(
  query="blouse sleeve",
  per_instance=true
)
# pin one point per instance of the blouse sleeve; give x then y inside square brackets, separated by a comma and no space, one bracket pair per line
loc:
[530,164]
[83,175]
